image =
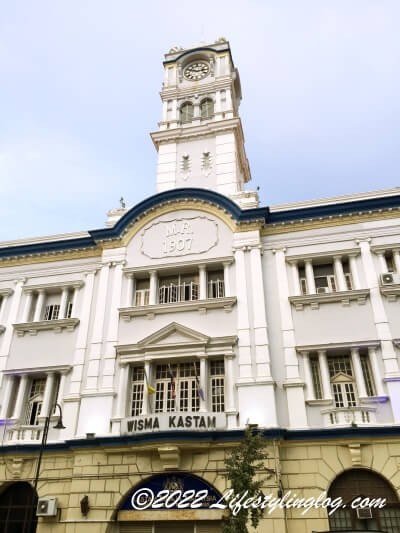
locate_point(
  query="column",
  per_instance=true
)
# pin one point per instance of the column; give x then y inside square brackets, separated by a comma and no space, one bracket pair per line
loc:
[129,301]
[164,110]
[354,272]
[19,403]
[12,317]
[396,261]
[75,292]
[82,334]
[39,305]
[382,262]
[47,404]
[3,304]
[93,370]
[355,357]
[310,394]
[61,387]
[122,390]
[203,383]
[217,102]
[245,370]
[153,287]
[294,267]
[108,369]
[339,274]
[63,303]
[147,381]
[228,363]
[310,276]
[227,281]
[9,383]
[27,306]
[376,371]
[202,282]
[326,380]
[263,369]
[293,382]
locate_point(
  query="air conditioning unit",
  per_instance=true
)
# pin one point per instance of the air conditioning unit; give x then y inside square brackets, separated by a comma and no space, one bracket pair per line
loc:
[322,290]
[46,507]
[364,514]
[387,279]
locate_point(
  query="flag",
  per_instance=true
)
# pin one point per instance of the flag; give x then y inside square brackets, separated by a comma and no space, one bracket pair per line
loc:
[200,391]
[171,375]
[150,390]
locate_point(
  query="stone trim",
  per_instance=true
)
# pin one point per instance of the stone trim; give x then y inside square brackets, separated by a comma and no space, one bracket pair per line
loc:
[314,300]
[57,325]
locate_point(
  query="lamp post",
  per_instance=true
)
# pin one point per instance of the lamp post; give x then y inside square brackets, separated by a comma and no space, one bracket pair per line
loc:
[59,425]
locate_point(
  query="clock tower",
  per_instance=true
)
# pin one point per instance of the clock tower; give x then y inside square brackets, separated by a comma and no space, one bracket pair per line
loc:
[200,139]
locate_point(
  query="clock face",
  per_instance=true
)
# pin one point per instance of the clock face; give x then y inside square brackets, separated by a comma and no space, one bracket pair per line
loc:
[197,71]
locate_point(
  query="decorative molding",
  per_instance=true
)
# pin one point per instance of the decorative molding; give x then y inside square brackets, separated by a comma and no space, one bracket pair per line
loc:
[170,457]
[320,401]
[391,292]
[334,345]
[60,369]
[57,325]
[355,454]
[77,284]
[322,254]
[226,303]
[179,265]
[314,300]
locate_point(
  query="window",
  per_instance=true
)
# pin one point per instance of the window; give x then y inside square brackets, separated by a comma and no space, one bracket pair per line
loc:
[303,286]
[207,108]
[137,390]
[69,310]
[217,385]
[51,312]
[367,374]
[181,288]
[316,377]
[179,392]
[142,292]
[187,112]
[389,262]
[216,285]
[35,401]
[342,382]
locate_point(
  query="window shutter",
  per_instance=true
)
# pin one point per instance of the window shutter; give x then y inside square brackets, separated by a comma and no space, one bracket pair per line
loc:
[138,527]
[211,527]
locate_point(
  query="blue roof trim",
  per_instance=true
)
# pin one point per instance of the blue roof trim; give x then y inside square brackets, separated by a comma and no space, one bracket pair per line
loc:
[209,436]
[181,194]
[222,201]
[343,208]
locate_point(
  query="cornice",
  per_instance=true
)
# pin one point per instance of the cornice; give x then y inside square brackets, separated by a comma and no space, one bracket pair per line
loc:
[337,345]
[168,266]
[172,92]
[202,306]
[6,292]
[77,284]
[344,297]
[63,369]
[380,248]
[323,254]
[57,325]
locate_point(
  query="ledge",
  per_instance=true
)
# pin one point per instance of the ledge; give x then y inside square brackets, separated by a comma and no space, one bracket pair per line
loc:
[314,300]
[321,401]
[126,313]
[57,325]
[392,292]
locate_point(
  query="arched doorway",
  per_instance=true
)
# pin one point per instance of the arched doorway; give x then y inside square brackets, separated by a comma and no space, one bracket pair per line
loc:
[18,508]
[164,506]
[366,484]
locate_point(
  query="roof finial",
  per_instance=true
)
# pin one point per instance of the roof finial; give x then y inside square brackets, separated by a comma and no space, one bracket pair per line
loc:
[122,202]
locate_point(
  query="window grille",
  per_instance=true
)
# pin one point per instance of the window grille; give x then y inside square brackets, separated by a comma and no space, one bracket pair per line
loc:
[35,400]
[186,397]
[187,112]
[368,380]
[316,377]
[216,288]
[217,385]
[340,363]
[51,312]
[182,292]
[207,108]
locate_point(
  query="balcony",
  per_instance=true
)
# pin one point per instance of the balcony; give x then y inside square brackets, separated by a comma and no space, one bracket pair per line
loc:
[348,416]
[24,433]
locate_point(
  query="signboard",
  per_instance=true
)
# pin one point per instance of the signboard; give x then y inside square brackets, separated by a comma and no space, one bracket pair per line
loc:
[173,421]
[180,236]
[171,491]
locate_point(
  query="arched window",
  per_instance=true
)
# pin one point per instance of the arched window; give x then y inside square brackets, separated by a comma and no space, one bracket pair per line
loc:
[207,108]
[187,112]
[365,484]
[18,509]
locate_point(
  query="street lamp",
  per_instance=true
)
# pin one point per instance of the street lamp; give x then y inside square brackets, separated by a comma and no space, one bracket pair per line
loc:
[59,425]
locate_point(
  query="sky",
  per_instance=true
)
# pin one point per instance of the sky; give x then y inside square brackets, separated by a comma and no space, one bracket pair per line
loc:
[79,95]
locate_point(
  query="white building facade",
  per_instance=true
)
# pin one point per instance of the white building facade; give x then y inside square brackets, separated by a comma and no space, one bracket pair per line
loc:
[192,314]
